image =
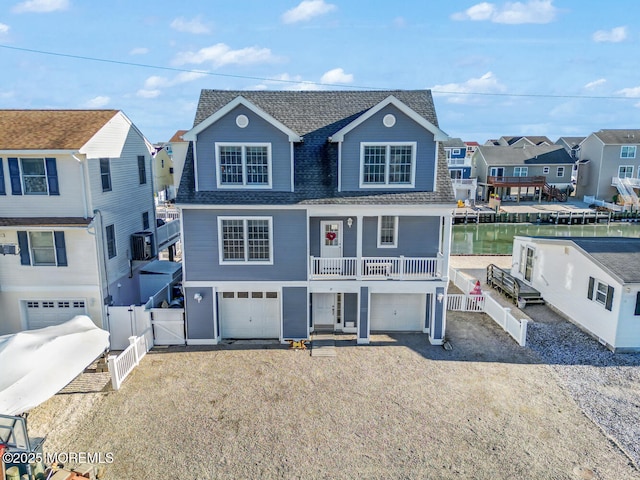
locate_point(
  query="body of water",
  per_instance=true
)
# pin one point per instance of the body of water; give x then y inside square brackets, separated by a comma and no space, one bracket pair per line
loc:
[497,238]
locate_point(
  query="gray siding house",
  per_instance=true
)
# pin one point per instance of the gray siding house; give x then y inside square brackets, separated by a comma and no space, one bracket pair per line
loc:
[307,211]
[610,166]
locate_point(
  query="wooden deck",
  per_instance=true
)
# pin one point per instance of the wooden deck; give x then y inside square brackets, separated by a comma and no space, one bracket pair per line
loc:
[512,287]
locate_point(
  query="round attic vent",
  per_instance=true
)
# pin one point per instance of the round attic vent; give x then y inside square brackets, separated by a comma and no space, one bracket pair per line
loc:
[389,120]
[242,121]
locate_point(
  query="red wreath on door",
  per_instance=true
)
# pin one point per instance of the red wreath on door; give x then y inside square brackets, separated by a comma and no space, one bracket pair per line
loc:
[331,236]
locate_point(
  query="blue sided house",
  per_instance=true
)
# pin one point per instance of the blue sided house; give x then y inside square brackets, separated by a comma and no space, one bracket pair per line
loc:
[307,211]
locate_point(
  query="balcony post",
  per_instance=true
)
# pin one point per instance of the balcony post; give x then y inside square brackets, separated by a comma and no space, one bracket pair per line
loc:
[402,267]
[312,262]
[359,264]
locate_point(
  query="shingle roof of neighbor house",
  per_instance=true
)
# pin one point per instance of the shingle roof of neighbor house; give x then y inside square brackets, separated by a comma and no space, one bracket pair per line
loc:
[177,137]
[316,116]
[536,140]
[571,141]
[50,129]
[45,221]
[618,137]
[454,143]
[618,255]
[530,155]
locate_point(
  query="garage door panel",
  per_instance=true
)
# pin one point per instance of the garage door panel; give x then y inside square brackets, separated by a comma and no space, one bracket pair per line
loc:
[397,312]
[46,313]
[255,315]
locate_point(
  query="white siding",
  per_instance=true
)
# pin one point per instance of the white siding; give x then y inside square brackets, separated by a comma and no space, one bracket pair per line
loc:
[70,202]
[124,204]
[561,274]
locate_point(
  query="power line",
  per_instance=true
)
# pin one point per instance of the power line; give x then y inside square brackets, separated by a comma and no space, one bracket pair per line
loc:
[305,82]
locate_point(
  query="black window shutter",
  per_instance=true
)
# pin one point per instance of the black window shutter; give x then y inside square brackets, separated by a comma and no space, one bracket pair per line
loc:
[3,190]
[52,176]
[61,249]
[14,174]
[590,292]
[609,301]
[23,244]
[142,170]
[637,312]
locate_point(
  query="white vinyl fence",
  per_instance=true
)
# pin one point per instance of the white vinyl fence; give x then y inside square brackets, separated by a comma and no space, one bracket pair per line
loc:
[466,302]
[120,366]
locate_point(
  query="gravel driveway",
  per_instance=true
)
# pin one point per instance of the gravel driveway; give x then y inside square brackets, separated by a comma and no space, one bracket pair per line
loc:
[398,408]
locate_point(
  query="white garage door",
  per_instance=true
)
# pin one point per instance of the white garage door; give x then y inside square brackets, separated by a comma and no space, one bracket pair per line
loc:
[397,312]
[45,313]
[249,314]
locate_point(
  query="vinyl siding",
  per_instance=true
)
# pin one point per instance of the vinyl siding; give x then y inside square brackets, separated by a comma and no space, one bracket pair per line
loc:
[258,131]
[417,237]
[294,308]
[373,130]
[349,236]
[199,315]
[201,254]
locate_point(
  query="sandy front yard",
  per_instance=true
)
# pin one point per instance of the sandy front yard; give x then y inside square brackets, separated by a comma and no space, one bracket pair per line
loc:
[398,408]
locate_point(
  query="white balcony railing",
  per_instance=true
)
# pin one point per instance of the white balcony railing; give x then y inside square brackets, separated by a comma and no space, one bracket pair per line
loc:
[375,268]
[168,233]
[466,182]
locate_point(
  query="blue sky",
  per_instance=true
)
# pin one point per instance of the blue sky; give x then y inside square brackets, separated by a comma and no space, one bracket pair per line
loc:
[541,67]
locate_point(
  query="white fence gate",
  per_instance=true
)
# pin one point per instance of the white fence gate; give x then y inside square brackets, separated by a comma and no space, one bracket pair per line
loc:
[125,322]
[168,326]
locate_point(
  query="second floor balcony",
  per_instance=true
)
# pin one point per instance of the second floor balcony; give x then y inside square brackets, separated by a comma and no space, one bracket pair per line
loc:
[375,268]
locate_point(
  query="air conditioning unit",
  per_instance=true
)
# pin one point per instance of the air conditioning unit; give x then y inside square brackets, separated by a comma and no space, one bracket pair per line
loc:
[142,247]
[8,249]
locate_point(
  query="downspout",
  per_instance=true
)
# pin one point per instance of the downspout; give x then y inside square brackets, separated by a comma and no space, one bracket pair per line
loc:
[83,184]
[102,261]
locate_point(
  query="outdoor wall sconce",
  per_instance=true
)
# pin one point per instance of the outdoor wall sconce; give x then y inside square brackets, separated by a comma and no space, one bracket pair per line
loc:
[198,297]
[440,297]
[349,222]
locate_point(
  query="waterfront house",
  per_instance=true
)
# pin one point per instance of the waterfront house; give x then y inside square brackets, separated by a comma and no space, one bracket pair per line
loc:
[460,169]
[595,282]
[307,211]
[77,220]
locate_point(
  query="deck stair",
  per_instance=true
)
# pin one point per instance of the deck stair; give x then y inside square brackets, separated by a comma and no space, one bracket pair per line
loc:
[511,286]
[554,193]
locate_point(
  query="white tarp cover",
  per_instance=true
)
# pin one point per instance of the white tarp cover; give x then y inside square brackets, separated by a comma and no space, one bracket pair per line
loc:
[37,364]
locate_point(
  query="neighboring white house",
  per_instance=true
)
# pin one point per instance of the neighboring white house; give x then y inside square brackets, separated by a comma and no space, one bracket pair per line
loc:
[595,282]
[77,217]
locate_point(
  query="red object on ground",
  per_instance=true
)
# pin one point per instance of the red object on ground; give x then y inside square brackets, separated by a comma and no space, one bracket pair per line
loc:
[476,290]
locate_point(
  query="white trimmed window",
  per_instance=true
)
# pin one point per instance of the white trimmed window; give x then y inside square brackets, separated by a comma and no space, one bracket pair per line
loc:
[43,248]
[560,172]
[628,151]
[387,232]
[625,171]
[600,293]
[520,171]
[243,165]
[545,170]
[34,176]
[387,164]
[245,240]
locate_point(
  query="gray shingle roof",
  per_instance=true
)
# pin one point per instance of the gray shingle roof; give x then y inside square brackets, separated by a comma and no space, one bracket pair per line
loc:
[536,140]
[454,143]
[571,141]
[619,137]
[316,116]
[533,155]
[619,255]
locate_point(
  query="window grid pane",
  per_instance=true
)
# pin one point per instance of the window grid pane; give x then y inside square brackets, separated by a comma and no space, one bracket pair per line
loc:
[374,164]
[34,176]
[105,174]
[258,240]
[387,230]
[400,164]
[42,248]
[628,152]
[601,293]
[233,240]
[257,160]
[231,165]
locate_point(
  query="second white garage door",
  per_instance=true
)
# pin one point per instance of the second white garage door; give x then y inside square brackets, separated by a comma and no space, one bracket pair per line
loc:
[249,314]
[397,312]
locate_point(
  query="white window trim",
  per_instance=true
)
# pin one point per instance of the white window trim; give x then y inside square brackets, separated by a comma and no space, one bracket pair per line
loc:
[520,171]
[596,284]
[558,170]
[33,257]
[221,259]
[455,151]
[115,241]
[387,185]
[395,232]
[626,167]
[22,175]
[244,184]
[628,147]
[493,171]
[546,170]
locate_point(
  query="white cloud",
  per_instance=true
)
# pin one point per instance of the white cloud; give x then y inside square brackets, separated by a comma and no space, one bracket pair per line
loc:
[148,93]
[533,11]
[615,35]
[97,102]
[194,26]
[153,85]
[139,51]
[595,83]
[221,54]
[4,29]
[307,10]
[487,83]
[633,92]
[336,75]
[285,81]
[41,6]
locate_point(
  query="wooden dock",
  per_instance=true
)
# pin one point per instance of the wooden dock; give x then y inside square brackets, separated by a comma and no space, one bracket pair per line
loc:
[540,214]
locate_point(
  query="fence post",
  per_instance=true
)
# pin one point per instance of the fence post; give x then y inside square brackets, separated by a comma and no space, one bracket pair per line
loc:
[523,332]
[132,341]
[111,361]
[505,320]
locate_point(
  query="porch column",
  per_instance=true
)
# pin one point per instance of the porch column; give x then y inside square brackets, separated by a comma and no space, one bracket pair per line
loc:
[446,245]
[358,246]
[436,330]
[363,317]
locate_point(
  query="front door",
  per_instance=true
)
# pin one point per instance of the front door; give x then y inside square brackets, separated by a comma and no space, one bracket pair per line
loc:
[324,310]
[331,239]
